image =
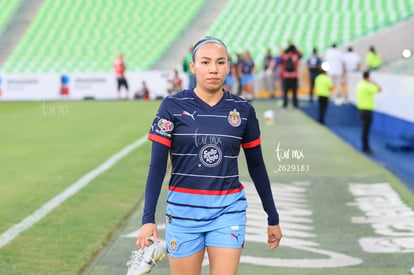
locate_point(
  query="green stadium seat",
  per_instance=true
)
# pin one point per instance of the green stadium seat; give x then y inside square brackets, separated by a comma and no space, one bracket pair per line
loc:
[86,34]
[306,23]
[7,9]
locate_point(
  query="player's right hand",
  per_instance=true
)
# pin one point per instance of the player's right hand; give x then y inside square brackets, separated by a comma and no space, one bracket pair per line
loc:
[147,231]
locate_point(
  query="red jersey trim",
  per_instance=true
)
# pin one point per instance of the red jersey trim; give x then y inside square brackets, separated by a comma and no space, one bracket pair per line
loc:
[252,144]
[164,141]
[205,192]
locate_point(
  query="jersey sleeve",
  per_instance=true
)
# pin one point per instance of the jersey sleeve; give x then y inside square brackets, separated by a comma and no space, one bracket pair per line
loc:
[156,174]
[251,135]
[258,173]
[163,125]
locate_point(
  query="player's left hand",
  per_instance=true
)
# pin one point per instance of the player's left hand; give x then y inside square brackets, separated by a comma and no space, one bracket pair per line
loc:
[274,235]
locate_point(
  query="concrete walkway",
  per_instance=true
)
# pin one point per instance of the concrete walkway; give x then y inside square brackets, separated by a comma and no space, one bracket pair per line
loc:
[326,193]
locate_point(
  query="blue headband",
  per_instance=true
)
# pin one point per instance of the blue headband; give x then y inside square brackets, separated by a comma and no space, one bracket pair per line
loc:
[206,40]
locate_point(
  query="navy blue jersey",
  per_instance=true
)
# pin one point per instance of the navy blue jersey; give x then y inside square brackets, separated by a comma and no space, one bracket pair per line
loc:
[205,143]
[247,66]
[314,63]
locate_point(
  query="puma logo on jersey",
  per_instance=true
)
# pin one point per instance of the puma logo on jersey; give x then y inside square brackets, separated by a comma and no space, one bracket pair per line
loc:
[189,114]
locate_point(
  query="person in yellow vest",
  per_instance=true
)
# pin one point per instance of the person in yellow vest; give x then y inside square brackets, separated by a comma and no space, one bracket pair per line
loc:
[373,59]
[365,91]
[323,88]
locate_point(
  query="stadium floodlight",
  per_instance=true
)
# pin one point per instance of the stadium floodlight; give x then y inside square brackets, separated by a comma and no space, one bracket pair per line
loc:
[325,66]
[406,53]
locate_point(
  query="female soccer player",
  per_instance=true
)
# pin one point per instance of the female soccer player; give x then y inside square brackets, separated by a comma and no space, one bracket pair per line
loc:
[202,130]
[245,70]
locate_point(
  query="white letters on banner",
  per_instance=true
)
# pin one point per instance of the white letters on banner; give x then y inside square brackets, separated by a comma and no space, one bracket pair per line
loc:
[101,86]
[396,98]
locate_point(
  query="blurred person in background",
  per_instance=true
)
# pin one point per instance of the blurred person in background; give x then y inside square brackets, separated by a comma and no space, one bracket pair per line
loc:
[228,83]
[245,70]
[351,60]
[314,63]
[372,59]
[275,67]
[143,93]
[176,83]
[238,77]
[365,91]
[333,56]
[268,72]
[351,63]
[186,69]
[119,68]
[323,88]
[290,74]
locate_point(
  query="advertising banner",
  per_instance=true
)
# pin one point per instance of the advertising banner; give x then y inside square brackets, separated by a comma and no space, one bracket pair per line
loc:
[79,86]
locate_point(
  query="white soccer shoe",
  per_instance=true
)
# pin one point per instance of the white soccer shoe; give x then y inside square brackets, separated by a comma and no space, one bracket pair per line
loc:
[144,259]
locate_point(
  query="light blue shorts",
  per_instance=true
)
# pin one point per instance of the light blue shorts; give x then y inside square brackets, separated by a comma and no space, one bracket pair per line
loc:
[229,81]
[182,244]
[246,79]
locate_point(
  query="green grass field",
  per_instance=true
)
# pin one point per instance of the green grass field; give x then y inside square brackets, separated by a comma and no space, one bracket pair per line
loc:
[47,146]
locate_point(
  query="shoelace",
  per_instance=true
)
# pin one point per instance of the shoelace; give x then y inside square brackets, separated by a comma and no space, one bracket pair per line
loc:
[152,255]
[136,258]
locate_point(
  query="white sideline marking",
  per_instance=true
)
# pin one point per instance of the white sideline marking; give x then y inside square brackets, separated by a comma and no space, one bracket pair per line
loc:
[40,213]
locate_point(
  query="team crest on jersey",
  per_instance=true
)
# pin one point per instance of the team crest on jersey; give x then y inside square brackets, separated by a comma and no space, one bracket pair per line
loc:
[234,118]
[210,155]
[165,125]
[173,245]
